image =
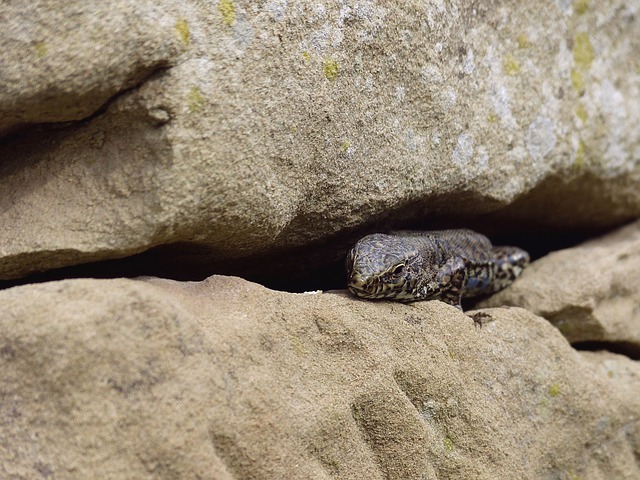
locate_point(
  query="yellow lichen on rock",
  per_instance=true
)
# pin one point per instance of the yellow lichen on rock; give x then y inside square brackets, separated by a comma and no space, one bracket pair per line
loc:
[195,99]
[182,28]
[40,48]
[582,50]
[577,80]
[581,6]
[523,41]
[228,11]
[582,114]
[330,69]
[554,390]
[510,65]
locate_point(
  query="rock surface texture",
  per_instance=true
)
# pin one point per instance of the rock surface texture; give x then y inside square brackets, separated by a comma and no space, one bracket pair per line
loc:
[63,60]
[225,379]
[590,292]
[278,125]
[265,137]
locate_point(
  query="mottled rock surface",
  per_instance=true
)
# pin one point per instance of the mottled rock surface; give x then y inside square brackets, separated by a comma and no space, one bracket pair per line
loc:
[267,136]
[591,292]
[225,379]
[283,125]
[62,60]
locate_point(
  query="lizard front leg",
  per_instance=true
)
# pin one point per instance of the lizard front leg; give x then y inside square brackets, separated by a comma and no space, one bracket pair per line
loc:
[452,277]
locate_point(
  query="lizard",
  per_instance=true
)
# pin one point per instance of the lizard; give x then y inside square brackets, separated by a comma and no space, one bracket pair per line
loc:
[446,265]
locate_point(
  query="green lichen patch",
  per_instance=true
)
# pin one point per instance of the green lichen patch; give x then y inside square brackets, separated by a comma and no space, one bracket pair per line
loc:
[448,444]
[581,6]
[228,11]
[510,66]
[182,28]
[577,80]
[582,51]
[330,69]
[307,56]
[582,114]
[195,99]
[523,41]
[491,118]
[345,146]
[554,390]
[40,49]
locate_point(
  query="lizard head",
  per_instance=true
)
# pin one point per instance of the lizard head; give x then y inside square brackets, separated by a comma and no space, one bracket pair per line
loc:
[383,266]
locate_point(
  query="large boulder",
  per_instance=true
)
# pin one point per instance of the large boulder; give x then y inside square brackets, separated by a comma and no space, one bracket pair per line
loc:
[133,379]
[285,125]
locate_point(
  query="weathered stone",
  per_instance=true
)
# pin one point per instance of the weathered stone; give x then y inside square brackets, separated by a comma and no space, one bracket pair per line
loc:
[288,124]
[62,60]
[226,379]
[590,292]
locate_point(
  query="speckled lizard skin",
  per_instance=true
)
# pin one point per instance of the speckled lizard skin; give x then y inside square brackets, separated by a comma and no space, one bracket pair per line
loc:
[445,265]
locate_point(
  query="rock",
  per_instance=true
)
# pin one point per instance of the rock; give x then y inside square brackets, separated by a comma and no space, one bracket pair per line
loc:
[226,379]
[590,292]
[63,60]
[288,126]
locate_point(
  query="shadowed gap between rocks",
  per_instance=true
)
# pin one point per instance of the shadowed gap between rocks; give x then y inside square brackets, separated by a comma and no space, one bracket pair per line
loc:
[628,349]
[315,267]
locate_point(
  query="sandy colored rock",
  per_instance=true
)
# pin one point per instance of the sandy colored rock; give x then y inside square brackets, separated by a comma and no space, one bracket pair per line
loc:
[590,292]
[286,125]
[62,60]
[226,379]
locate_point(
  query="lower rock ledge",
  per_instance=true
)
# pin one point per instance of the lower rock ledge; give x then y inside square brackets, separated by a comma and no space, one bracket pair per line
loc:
[225,379]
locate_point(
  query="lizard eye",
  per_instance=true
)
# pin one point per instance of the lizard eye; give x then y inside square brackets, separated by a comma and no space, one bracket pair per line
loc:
[398,270]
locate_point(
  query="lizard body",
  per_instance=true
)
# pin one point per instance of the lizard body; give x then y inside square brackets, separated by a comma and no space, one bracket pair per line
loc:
[446,265]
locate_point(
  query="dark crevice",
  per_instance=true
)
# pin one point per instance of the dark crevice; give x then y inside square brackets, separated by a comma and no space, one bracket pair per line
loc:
[628,349]
[313,267]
